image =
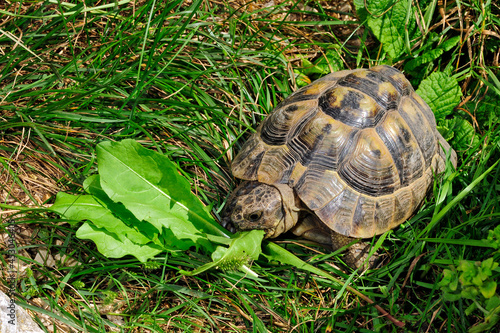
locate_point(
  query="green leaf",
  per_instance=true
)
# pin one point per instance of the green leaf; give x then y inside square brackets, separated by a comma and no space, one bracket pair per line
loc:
[488,288]
[327,63]
[449,285]
[463,135]
[139,205]
[113,247]
[471,308]
[469,292]
[108,231]
[450,43]
[469,271]
[301,79]
[494,237]
[244,247]
[392,22]
[86,207]
[441,92]
[451,296]
[431,53]
[493,302]
[150,187]
[492,317]
[488,266]
[142,230]
[423,59]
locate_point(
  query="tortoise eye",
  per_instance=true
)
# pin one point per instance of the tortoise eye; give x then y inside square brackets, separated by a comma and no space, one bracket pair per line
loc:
[255,216]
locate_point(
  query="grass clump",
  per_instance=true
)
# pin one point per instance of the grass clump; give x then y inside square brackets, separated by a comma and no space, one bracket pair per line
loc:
[191,80]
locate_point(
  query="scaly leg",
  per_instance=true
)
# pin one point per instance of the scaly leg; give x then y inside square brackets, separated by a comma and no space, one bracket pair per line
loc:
[311,228]
[357,254]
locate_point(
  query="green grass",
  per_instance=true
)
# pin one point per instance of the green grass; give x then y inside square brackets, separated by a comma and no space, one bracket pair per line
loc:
[192,79]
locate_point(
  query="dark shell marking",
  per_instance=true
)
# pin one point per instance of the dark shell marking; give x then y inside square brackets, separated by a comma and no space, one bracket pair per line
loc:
[358,147]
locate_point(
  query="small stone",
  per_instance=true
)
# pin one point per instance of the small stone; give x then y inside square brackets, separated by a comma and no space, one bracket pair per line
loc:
[14,318]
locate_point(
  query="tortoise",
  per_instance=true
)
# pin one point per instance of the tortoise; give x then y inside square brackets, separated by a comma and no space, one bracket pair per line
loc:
[352,155]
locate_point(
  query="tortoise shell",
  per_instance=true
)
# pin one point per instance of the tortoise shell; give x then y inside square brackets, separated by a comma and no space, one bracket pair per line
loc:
[358,147]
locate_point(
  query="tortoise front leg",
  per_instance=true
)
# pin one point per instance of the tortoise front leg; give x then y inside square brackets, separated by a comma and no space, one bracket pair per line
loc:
[311,228]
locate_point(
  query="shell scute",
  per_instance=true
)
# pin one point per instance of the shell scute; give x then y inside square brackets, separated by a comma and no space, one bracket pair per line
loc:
[363,220]
[403,206]
[351,107]
[422,130]
[375,85]
[338,213]
[318,186]
[289,118]
[277,165]
[246,164]
[370,168]
[403,147]
[383,213]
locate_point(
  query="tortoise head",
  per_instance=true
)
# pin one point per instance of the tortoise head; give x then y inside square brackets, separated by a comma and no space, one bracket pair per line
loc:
[255,205]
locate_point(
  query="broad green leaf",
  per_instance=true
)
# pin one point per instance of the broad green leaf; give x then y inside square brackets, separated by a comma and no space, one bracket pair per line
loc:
[471,308]
[150,187]
[489,265]
[86,207]
[467,267]
[493,303]
[447,277]
[142,229]
[80,207]
[140,201]
[463,135]
[112,247]
[244,247]
[450,43]
[450,280]
[430,54]
[392,22]
[441,92]
[107,231]
[488,288]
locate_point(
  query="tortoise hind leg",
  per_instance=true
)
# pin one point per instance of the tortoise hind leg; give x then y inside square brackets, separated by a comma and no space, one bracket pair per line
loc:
[311,228]
[356,256]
